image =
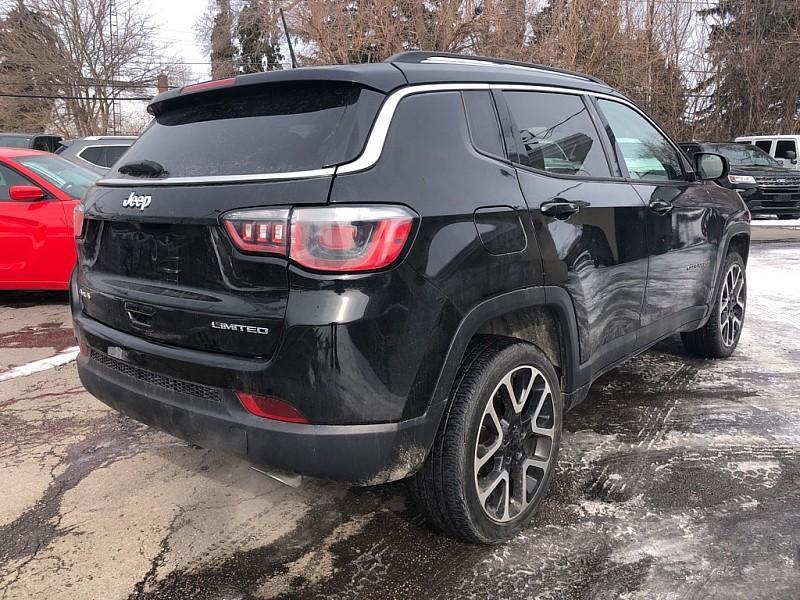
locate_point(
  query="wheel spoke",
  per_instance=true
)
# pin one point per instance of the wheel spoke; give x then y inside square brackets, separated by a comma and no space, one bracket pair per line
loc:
[489,452]
[502,478]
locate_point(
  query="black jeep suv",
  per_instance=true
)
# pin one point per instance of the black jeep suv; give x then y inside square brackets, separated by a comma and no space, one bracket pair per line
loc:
[767,187]
[409,269]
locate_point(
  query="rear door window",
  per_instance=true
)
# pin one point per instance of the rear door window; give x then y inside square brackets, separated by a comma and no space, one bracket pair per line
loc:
[765,145]
[275,128]
[783,147]
[558,134]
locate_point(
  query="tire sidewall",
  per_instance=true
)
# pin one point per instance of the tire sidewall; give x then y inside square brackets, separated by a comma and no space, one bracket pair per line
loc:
[727,350]
[506,360]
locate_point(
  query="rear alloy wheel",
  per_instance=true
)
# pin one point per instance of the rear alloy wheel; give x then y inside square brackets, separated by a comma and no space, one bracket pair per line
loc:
[719,337]
[514,444]
[497,447]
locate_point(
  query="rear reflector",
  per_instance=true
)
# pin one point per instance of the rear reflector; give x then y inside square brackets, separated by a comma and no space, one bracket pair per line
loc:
[332,239]
[270,408]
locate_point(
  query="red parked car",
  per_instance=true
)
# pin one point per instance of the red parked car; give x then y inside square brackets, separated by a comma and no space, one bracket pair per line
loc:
[38,195]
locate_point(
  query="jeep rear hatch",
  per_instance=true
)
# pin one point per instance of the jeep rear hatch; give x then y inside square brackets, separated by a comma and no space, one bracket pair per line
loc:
[156,260]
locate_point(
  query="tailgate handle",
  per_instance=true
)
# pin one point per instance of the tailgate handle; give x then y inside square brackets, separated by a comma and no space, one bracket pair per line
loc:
[140,315]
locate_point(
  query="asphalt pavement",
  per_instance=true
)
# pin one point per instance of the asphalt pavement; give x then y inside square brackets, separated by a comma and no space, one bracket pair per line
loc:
[678,478]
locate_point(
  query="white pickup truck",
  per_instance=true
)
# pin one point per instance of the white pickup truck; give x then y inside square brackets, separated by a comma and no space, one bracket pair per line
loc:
[781,147]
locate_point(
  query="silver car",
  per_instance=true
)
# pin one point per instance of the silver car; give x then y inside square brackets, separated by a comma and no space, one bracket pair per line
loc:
[97,153]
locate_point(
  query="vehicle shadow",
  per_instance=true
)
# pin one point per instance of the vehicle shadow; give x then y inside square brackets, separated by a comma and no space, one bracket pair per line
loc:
[17,299]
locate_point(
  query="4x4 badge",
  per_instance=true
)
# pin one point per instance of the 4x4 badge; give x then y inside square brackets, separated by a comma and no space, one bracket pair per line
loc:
[135,201]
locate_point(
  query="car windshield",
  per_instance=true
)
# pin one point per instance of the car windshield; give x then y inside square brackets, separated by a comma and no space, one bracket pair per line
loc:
[744,156]
[69,178]
[15,141]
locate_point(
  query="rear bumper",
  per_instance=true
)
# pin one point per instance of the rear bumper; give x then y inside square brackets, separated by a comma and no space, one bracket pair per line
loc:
[356,454]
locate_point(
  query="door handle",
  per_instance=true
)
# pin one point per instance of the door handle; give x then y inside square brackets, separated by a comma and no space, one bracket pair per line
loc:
[660,207]
[561,209]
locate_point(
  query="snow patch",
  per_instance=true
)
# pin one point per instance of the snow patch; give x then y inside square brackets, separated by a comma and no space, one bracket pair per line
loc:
[44,364]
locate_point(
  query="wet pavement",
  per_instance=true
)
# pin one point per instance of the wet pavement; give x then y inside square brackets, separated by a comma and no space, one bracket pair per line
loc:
[678,478]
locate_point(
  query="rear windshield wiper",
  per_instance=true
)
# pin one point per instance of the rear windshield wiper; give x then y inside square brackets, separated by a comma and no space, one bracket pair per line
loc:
[143,168]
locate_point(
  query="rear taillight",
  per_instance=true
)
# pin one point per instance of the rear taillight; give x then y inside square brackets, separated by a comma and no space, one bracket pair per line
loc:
[270,407]
[349,238]
[336,239]
[265,231]
[78,220]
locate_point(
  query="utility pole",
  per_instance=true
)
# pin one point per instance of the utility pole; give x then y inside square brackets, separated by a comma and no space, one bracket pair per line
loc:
[112,32]
[651,13]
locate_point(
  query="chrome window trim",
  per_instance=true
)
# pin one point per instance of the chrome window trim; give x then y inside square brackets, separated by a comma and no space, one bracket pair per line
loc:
[375,141]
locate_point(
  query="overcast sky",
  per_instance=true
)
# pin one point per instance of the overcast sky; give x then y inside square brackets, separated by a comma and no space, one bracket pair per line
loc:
[176,20]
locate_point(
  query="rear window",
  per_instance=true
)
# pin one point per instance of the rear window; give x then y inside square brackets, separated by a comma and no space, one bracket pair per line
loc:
[275,128]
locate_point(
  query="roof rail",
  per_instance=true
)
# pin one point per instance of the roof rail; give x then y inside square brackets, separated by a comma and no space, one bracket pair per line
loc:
[467,59]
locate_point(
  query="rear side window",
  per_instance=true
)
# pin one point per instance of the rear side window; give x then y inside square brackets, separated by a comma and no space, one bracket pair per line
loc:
[558,134]
[784,146]
[113,154]
[765,145]
[94,155]
[102,156]
[275,128]
[484,127]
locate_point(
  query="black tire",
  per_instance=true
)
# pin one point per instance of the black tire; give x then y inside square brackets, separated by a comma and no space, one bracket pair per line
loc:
[714,339]
[788,217]
[447,488]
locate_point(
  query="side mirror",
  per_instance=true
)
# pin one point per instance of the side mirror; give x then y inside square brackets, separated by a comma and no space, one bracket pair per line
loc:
[710,166]
[791,156]
[25,193]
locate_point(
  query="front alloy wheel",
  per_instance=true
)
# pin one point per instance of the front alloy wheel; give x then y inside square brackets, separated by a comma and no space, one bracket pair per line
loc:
[731,305]
[720,335]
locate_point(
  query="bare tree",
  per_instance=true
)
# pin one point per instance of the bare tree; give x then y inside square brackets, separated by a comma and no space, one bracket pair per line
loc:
[101,55]
[27,94]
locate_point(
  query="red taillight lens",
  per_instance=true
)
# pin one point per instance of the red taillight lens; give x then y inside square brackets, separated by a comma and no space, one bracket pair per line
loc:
[335,239]
[270,408]
[264,231]
[78,220]
[349,238]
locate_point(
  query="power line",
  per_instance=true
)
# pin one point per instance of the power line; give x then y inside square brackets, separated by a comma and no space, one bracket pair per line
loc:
[41,97]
